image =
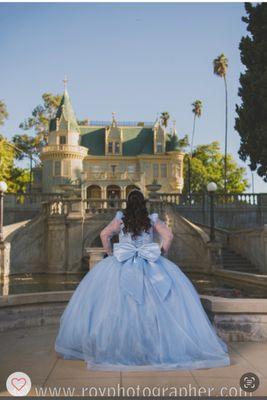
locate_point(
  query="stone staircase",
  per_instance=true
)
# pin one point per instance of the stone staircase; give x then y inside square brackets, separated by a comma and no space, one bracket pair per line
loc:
[235,262]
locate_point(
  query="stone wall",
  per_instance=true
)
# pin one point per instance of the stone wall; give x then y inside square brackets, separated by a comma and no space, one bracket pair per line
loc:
[251,243]
[27,246]
[57,241]
[233,319]
[189,248]
[238,319]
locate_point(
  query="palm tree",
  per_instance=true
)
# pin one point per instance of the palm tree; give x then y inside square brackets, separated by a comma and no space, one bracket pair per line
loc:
[220,66]
[165,116]
[197,111]
[3,112]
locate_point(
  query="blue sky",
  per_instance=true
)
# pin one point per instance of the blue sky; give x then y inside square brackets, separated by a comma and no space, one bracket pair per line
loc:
[136,59]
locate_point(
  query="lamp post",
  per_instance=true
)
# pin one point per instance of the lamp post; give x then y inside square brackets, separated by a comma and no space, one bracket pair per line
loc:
[211,188]
[3,189]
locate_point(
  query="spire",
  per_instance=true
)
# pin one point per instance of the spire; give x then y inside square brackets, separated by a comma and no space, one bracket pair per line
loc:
[156,123]
[174,131]
[174,144]
[65,81]
[66,111]
[114,122]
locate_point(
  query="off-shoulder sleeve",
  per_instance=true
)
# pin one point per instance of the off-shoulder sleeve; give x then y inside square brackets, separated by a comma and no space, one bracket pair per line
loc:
[110,230]
[119,215]
[154,217]
[162,229]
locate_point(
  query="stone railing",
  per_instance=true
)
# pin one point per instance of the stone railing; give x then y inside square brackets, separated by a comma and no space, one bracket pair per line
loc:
[107,175]
[60,206]
[233,199]
[232,211]
[64,147]
[252,244]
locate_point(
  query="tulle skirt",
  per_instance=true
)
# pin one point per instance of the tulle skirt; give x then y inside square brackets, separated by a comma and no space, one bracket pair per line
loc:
[110,330]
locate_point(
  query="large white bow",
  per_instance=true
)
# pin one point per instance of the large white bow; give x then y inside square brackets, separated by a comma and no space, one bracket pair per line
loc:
[138,261]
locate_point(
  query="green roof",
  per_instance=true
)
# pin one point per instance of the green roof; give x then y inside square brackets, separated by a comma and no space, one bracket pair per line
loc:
[65,109]
[136,140]
[93,139]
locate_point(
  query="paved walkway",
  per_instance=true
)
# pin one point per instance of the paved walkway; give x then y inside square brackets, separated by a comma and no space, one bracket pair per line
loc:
[31,351]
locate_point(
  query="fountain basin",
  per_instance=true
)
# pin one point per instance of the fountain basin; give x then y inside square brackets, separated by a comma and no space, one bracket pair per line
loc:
[241,319]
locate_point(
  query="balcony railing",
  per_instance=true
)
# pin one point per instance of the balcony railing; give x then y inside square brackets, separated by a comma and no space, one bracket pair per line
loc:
[123,123]
[64,207]
[64,147]
[107,175]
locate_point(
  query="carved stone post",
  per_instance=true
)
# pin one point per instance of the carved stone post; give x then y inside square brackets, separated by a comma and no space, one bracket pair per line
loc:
[214,255]
[4,259]
[56,244]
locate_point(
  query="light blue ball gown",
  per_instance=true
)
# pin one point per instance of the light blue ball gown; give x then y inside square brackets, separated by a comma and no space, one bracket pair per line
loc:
[136,310]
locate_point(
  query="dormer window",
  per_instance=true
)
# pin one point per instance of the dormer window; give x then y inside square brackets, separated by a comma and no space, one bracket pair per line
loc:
[159,147]
[62,139]
[113,138]
[110,147]
[114,148]
[117,148]
[159,139]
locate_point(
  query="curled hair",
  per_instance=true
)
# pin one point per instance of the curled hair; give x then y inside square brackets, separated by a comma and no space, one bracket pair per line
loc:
[136,219]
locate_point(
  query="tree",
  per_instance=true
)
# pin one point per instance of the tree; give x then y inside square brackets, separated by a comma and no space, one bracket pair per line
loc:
[207,165]
[220,67]
[83,122]
[197,111]
[251,122]
[164,117]
[41,115]
[29,147]
[178,144]
[15,177]
[3,112]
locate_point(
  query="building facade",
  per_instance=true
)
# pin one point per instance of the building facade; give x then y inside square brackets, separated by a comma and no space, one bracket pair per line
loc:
[108,159]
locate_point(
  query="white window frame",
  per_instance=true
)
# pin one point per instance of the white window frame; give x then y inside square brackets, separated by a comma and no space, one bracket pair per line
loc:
[57,162]
[161,170]
[155,169]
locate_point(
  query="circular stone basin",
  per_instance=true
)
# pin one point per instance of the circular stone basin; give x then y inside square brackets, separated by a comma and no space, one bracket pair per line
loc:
[204,283]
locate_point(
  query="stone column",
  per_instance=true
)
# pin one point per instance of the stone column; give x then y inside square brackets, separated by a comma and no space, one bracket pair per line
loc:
[96,254]
[214,255]
[56,244]
[4,259]
[104,196]
[264,237]
[123,196]
[74,243]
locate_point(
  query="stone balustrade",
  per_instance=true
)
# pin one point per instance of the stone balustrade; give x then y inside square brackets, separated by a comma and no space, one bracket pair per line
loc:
[65,147]
[95,254]
[107,175]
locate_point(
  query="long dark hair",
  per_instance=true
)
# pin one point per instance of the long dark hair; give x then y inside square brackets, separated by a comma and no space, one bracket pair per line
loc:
[136,219]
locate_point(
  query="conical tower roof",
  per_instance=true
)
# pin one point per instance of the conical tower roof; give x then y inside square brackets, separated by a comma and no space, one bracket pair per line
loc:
[65,111]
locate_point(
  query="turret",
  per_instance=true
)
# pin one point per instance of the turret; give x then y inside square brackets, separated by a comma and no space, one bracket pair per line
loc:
[63,156]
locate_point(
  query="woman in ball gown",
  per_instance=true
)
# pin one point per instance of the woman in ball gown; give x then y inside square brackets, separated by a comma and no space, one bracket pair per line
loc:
[136,310]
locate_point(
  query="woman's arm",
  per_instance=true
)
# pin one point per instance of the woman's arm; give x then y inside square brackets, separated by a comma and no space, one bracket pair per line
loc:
[165,233]
[110,230]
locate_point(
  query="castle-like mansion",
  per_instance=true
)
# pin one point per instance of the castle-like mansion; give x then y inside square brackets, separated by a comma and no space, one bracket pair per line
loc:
[107,159]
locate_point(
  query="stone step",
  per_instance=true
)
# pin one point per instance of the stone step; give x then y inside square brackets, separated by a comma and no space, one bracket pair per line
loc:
[234,261]
[239,266]
[251,271]
[238,262]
